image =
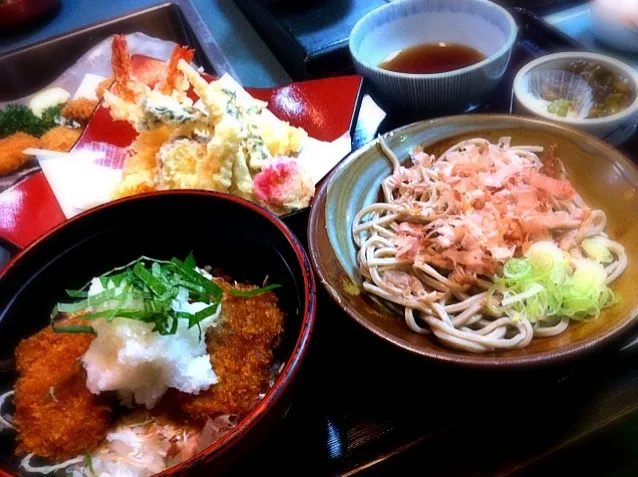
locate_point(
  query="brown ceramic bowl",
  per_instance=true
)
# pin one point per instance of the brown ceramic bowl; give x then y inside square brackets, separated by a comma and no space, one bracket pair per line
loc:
[603,176]
[17,12]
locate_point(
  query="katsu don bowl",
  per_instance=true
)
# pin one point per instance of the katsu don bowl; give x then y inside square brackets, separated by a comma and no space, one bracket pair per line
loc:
[155,334]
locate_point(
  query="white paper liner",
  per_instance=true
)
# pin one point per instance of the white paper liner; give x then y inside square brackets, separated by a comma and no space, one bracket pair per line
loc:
[97,61]
[83,179]
[568,86]
[86,178]
[80,180]
[82,79]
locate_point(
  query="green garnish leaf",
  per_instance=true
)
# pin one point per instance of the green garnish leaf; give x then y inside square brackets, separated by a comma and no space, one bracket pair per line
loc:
[256,291]
[77,293]
[88,463]
[72,307]
[51,116]
[19,118]
[148,279]
[190,261]
[191,275]
[156,270]
[146,290]
[73,329]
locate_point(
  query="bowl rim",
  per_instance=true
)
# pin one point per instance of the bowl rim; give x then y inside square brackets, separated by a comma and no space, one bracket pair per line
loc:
[14,4]
[21,11]
[627,70]
[468,360]
[291,367]
[507,46]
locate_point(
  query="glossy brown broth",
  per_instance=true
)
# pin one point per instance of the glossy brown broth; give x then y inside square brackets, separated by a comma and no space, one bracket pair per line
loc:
[429,58]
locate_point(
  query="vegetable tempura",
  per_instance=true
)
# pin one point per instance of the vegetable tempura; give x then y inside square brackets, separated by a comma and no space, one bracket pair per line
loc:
[227,141]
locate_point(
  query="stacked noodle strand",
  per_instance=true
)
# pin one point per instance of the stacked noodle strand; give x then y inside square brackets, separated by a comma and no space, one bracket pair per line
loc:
[422,277]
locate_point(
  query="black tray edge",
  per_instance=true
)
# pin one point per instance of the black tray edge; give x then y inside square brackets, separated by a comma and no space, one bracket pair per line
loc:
[203,39]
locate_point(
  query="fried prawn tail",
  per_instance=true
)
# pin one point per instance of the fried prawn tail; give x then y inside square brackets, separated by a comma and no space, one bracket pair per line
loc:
[173,74]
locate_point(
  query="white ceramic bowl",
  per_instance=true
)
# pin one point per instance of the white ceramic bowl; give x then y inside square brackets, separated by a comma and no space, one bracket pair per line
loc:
[614,129]
[615,22]
[480,24]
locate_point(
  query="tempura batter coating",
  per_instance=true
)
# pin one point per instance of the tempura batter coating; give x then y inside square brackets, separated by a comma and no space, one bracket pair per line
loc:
[57,416]
[11,147]
[103,86]
[140,172]
[241,355]
[60,138]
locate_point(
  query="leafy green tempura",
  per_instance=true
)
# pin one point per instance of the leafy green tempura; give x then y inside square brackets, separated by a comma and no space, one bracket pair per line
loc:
[549,284]
[145,290]
[19,118]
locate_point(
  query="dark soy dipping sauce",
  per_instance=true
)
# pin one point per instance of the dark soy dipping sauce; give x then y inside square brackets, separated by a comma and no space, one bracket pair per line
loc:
[429,58]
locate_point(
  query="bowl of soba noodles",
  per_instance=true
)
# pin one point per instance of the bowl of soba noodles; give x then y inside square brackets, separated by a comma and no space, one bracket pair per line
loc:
[488,241]
[155,334]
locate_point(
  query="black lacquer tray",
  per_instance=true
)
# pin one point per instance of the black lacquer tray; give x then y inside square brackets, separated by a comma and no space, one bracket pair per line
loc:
[366,408]
[29,69]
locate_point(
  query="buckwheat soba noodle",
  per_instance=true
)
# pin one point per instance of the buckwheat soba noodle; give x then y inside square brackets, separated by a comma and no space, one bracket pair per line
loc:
[486,246]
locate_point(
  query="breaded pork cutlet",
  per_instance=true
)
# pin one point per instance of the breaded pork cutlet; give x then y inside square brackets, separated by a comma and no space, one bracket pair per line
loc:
[60,138]
[241,354]
[11,147]
[79,110]
[57,416]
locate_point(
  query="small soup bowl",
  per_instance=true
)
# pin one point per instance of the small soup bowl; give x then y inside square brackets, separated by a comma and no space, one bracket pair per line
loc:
[614,129]
[479,24]
[19,12]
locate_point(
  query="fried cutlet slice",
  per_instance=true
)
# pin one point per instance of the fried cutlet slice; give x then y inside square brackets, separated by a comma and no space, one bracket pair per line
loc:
[11,147]
[61,138]
[56,415]
[241,354]
[79,110]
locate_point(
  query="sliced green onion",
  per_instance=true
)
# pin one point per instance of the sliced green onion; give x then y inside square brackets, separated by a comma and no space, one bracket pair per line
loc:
[535,289]
[549,283]
[516,269]
[596,249]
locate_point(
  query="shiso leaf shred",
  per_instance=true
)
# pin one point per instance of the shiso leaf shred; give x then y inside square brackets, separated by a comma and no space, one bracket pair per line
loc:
[144,290]
[255,291]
